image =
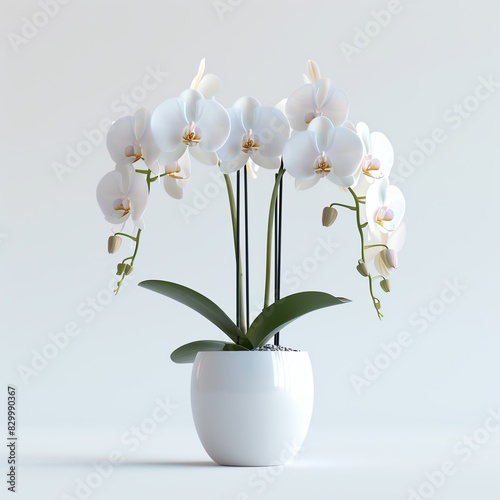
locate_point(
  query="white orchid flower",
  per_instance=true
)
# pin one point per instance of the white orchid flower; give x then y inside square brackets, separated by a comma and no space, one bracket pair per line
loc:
[208,85]
[120,200]
[258,133]
[386,259]
[177,176]
[190,121]
[323,151]
[385,207]
[320,97]
[379,153]
[129,139]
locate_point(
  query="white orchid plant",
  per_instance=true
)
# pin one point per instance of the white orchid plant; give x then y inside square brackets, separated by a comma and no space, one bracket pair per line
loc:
[308,136]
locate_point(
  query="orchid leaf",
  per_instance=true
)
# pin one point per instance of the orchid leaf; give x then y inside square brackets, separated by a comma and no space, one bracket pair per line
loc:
[275,317]
[200,304]
[187,353]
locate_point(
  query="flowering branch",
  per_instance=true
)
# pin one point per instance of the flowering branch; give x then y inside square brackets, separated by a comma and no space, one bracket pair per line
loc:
[272,207]
[376,301]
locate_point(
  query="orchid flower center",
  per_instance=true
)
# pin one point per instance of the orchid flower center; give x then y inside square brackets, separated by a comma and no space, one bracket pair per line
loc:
[249,143]
[384,214]
[191,135]
[322,164]
[134,151]
[175,174]
[312,115]
[370,166]
[122,205]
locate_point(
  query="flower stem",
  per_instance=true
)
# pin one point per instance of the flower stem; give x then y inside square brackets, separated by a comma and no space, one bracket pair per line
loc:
[272,207]
[375,300]
[131,258]
[240,311]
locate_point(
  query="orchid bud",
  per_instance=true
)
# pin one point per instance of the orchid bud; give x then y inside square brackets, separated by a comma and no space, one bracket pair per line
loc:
[362,269]
[390,257]
[120,268]
[128,269]
[385,284]
[329,216]
[114,243]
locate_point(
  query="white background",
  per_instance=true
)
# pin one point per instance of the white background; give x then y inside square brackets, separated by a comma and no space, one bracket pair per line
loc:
[73,72]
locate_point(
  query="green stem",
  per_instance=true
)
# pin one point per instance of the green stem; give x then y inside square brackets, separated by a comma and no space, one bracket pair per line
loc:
[237,254]
[377,245]
[131,258]
[126,235]
[270,221]
[375,300]
[342,205]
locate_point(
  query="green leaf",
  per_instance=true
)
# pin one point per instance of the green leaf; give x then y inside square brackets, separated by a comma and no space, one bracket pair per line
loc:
[200,304]
[187,353]
[275,317]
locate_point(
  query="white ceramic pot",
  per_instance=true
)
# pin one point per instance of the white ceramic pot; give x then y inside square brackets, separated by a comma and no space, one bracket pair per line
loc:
[252,408]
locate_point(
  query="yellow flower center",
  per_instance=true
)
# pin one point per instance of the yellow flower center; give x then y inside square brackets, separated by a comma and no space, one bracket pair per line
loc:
[191,135]
[370,166]
[134,151]
[250,143]
[322,165]
[122,205]
[384,214]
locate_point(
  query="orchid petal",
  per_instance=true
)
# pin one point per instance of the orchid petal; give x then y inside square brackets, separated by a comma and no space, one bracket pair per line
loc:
[346,149]
[272,129]
[364,133]
[196,80]
[120,136]
[313,71]
[298,105]
[336,106]
[268,162]
[247,106]
[232,147]
[205,157]
[323,130]
[303,184]
[168,122]
[299,155]
[213,120]
[191,98]
[230,166]
[172,188]
[209,86]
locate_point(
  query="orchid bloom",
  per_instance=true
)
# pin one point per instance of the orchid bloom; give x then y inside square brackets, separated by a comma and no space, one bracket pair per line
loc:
[379,154]
[386,259]
[129,139]
[190,122]
[385,207]
[323,151]
[258,133]
[320,97]
[177,176]
[208,85]
[120,199]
